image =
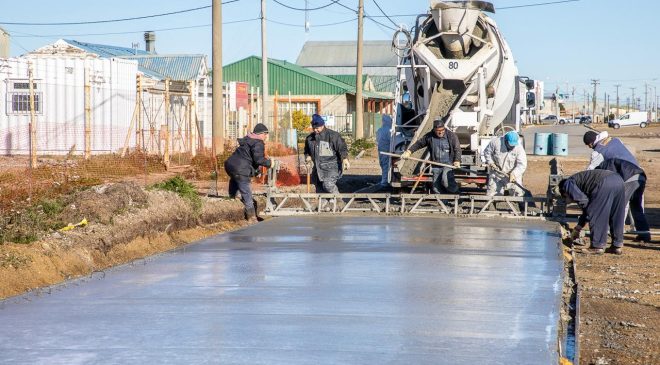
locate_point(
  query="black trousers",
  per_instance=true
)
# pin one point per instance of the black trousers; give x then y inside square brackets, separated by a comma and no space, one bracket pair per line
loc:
[242,184]
[635,197]
[607,212]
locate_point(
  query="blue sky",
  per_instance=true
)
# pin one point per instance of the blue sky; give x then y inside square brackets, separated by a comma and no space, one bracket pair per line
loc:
[565,45]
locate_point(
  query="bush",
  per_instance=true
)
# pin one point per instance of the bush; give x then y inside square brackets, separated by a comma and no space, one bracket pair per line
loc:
[183,188]
[360,145]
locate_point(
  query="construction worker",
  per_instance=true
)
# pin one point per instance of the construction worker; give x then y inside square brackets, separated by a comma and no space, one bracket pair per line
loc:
[634,183]
[242,165]
[326,154]
[444,148]
[383,139]
[605,148]
[600,194]
[507,162]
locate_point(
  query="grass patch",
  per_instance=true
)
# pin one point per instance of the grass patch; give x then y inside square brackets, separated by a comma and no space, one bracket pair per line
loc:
[25,226]
[13,260]
[183,188]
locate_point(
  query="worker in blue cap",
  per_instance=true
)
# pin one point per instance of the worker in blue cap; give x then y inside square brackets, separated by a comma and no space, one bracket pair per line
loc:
[507,162]
[327,155]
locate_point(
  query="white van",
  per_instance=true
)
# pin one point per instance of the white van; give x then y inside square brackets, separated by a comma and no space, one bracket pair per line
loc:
[641,119]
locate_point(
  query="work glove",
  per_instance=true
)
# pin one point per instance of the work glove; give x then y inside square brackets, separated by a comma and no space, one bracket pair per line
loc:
[575,234]
[512,178]
[345,165]
[493,166]
[406,154]
[457,164]
[309,162]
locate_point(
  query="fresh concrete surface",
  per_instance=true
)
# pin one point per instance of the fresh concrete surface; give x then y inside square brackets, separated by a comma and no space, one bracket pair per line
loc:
[331,290]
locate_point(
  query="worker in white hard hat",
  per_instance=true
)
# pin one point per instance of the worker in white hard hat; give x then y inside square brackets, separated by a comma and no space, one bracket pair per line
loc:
[507,162]
[383,139]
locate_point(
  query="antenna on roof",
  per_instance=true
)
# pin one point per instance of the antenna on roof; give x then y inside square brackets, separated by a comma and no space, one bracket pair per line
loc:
[135,46]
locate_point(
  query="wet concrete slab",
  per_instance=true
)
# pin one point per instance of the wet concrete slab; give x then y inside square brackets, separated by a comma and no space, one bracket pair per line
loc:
[331,290]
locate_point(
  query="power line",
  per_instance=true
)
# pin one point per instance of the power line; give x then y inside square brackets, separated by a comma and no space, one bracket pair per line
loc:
[346,7]
[332,2]
[537,4]
[118,20]
[318,25]
[29,35]
[382,11]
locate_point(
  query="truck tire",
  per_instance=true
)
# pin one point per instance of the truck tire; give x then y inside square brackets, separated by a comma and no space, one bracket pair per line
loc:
[616,126]
[642,125]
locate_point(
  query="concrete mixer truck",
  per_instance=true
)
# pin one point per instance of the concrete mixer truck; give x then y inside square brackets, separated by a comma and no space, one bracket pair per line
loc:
[454,63]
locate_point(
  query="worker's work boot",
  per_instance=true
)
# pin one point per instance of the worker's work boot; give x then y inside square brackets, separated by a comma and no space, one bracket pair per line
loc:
[646,238]
[251,216]
[615,250]
[593,251]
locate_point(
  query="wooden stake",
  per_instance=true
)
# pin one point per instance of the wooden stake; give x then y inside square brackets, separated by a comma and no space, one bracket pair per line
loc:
[88,116]
[139,133]
[166,152]
[33,120]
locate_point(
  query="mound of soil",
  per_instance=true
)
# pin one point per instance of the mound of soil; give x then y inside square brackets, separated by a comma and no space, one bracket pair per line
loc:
[102,203]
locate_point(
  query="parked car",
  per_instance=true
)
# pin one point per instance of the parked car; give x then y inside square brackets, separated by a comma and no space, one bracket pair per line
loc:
[550,119]
[566,120]
[628,119]
[583,119]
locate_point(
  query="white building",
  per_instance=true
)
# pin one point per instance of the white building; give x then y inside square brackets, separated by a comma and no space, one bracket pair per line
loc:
[59,103]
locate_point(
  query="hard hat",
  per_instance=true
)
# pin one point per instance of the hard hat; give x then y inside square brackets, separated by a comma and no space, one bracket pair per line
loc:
[511,138]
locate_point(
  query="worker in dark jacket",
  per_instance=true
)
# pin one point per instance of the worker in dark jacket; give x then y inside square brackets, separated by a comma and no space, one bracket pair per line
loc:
[446,149]
[634,183]
[242,165]
[326,154]
[600,194]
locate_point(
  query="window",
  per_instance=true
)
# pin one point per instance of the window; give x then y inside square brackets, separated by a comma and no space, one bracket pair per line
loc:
[19,103]
[307,107]
[18,97]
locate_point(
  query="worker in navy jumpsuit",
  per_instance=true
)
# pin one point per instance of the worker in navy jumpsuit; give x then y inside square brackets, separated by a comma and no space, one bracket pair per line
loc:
[600,194]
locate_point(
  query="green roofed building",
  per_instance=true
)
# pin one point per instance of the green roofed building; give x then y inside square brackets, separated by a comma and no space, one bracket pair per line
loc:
[308,90]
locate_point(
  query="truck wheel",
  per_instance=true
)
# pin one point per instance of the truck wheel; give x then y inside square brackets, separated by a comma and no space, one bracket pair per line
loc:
[642,125]
[616,126]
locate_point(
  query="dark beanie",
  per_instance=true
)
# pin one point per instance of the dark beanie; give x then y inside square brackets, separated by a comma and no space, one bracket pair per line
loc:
[589,137]
[260,129]
[439,123]
[317,121]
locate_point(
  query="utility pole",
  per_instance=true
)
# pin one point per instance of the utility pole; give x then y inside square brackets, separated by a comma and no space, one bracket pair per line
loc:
[646,94]
[633,97]
[264,69]
[595,82]
[217,112]
[359,103]
[617,99]
[574,104]
[628,105]
[655,98]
